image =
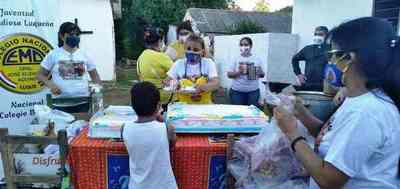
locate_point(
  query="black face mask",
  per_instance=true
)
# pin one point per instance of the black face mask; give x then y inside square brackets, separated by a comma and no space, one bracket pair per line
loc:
[72,41]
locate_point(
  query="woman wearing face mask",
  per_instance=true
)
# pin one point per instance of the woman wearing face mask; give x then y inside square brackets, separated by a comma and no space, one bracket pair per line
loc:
[152,64]
[176,50]
[68,67]
[245,89]
[359,146]
[196,72]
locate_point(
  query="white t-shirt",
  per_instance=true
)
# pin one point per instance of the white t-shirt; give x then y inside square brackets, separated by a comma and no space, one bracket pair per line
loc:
[208,69]
[363,141]
[149,157]
[242,83]
[69,71]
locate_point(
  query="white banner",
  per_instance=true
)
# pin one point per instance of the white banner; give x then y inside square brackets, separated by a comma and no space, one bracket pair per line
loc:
[28,32]
[37,164]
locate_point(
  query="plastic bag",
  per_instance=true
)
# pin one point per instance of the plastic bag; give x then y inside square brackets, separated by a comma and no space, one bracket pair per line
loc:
[273,162]
[266,160]
[44,114]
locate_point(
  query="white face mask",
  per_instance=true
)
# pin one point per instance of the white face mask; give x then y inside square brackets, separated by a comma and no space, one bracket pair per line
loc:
[318,40]
[183,38]
[244,49]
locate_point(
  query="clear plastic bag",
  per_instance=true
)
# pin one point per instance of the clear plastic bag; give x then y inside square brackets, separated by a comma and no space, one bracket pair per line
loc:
[44,114]
[266,160]
[273,162]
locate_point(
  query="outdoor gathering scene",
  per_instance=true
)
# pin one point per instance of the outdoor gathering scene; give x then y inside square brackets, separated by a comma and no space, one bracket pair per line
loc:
[199,94]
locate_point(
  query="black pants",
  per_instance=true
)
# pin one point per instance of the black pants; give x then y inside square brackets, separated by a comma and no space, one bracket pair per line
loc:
[309,87]
[74,109]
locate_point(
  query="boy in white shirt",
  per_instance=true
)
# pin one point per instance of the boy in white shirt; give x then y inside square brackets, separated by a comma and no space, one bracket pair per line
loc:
[147,141]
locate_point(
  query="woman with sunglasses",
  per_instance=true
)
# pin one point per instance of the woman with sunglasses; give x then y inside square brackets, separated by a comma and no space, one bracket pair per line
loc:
[69,68]
[359,146]
[245,85]
[176,50]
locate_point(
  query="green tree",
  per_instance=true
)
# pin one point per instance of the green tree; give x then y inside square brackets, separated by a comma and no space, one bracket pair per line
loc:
[160,13]
[246,27]
[286,11]
[262,6]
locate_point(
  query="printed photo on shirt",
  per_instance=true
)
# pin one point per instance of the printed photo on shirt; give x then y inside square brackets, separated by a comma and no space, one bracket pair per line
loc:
[71,70]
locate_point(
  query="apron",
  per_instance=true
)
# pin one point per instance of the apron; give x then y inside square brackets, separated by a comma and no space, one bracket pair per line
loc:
[202,98]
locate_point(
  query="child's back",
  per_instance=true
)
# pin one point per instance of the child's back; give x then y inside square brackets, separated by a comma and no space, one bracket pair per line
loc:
[147,141]
[149,157]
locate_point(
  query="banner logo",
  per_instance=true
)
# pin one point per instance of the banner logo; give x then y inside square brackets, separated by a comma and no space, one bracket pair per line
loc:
[20,58]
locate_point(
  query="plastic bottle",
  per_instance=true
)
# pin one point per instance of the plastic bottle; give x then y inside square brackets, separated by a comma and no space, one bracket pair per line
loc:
[98,98]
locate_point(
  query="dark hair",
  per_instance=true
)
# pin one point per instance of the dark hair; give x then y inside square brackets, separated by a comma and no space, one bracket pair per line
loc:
[152,36]
[67,27]
[186,25]
[377,49]
[248,39]
[198,39]
[323,29]
[145,98]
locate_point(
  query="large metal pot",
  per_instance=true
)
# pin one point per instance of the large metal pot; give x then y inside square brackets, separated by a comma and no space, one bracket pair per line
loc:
[320,104]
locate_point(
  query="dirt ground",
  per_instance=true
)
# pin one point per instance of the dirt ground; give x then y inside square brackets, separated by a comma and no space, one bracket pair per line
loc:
[117,92]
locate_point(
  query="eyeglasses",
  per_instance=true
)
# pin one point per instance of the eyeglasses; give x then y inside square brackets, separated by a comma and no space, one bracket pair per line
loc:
[244,45]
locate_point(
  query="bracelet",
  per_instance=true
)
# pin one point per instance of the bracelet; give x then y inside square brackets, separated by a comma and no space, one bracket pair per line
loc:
[293,145]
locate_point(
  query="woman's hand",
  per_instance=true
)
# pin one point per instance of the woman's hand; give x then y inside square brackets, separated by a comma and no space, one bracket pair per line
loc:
[201,89]
[287,122]
[260,72]
[242,69]
[54,89]
[166,82]
[299,108]
[340,96]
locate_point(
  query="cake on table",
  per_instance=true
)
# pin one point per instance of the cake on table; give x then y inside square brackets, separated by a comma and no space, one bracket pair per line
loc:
[215,118]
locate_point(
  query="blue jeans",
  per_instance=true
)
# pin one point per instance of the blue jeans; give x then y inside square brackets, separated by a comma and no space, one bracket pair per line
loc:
[244,98]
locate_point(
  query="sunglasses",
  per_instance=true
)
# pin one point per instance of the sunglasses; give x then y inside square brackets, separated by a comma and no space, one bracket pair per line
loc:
[335,53]
[244,45]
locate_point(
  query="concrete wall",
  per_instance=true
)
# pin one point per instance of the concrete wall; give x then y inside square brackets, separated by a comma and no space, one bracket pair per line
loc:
[307,14]
[96,16]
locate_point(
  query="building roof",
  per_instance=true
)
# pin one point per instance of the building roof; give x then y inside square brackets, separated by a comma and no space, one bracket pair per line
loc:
[219,21]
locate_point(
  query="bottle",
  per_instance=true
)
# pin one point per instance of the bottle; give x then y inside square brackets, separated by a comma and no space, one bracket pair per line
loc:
[98,99]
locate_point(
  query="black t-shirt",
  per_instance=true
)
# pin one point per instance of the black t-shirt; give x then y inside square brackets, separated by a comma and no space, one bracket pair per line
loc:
[316,60]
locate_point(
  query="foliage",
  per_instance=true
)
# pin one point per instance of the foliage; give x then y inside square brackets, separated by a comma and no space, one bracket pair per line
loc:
[262,6]
[287,11]
[160,13]
[247,27]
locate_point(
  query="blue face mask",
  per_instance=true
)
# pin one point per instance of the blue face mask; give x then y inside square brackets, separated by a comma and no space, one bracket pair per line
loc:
[193,57]
[333,75]
[72,41]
